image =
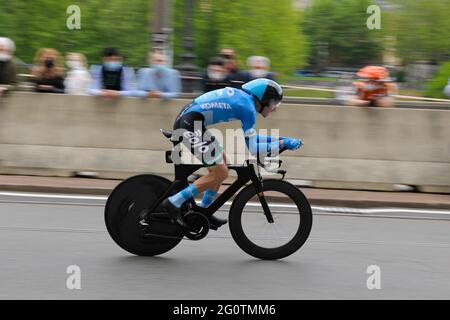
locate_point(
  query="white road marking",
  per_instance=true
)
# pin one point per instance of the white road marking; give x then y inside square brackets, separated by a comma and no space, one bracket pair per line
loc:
[344,210]
[52,196]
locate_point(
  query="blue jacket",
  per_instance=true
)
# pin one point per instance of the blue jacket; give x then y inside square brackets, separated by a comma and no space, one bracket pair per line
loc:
[167,82]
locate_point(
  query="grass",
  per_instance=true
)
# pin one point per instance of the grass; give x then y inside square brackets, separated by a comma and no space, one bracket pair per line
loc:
[286,78]
[307,93]
[316,79]
[411,92]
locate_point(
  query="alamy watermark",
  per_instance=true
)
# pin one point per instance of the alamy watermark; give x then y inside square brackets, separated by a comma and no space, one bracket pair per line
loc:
[73,22]
[374,280]
[374,21]
[73,281]
[199,146]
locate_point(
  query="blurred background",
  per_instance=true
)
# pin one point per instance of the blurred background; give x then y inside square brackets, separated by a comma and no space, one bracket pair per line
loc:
[86,85]
[308,42]
[390,58]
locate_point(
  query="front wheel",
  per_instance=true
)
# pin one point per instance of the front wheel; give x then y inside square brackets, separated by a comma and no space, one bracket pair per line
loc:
[270,241]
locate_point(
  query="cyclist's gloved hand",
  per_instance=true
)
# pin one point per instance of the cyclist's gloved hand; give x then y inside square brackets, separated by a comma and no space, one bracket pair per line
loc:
[291,143]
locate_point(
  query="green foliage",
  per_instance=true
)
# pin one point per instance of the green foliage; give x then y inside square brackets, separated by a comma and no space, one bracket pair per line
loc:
[435,87]
[422,28]
[42,24]
[338,30]
[251,27]
[307,93]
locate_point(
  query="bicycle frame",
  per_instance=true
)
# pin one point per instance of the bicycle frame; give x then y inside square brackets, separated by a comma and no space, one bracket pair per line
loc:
[245,174]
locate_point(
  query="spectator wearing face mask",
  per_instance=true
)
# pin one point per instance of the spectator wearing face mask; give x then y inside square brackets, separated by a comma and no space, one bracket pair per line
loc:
[258,67]
[78,78]
[216,75]
[48,71]
[158,81]
[8,69]
[231,64]
[112,78]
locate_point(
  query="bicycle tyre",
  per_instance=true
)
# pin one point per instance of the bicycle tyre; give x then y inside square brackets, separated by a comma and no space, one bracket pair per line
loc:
[122,210]
[300,237]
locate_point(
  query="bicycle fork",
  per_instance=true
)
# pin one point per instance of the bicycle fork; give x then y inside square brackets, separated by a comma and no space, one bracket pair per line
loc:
[258,183]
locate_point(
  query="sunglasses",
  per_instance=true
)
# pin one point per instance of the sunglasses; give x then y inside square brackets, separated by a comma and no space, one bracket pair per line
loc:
[272,107]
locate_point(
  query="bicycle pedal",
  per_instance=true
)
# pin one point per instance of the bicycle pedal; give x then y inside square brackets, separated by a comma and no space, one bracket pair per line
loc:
[215,223]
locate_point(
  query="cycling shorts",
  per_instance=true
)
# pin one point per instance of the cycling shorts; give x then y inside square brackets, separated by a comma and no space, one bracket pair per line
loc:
[202,144]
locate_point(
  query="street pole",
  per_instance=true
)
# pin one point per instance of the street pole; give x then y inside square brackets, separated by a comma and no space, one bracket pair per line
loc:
[161,27]
[187,66]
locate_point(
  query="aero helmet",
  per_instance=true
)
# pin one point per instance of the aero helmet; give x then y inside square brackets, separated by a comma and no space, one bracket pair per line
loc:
[268,92]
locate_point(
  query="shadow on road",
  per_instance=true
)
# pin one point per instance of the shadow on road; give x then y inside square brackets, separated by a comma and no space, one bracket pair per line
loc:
[239,262]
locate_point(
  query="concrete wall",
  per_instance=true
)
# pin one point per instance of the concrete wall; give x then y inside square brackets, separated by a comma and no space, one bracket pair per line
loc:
[350,147]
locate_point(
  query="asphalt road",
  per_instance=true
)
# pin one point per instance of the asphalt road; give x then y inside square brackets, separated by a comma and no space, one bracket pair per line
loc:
[41,237]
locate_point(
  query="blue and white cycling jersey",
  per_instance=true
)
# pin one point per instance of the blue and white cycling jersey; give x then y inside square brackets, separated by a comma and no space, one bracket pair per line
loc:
[224,105]
[231,104]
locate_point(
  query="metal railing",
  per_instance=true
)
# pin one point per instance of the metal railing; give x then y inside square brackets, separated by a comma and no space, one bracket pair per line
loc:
[405,101]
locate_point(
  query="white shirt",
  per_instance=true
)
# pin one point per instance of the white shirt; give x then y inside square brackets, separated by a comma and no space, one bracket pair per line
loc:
[77,82]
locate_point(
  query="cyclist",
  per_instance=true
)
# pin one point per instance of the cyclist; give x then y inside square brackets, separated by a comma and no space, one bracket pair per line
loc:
[258,96]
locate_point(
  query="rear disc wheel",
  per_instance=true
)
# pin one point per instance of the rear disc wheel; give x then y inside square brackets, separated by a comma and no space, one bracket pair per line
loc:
[122,218]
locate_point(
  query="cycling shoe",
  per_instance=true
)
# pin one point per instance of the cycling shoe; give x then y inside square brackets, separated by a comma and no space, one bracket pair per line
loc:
[174,212]
[215,223]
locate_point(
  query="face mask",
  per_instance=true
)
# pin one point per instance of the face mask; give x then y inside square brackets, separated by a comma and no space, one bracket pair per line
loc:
[5,56]
[74,64]
[258,73]
[216,75]
[159,67]
[49,63]
[112,65]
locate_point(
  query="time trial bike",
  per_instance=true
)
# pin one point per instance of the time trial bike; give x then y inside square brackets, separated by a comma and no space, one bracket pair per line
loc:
[268,218]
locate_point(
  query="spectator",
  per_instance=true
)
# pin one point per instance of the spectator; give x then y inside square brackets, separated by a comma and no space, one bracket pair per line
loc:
[8,73]
[447,89]
[158,81]
[48,71]
[258,67]
[112,78]
[373,89]
[78,78]
[231,65]
[216,75]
